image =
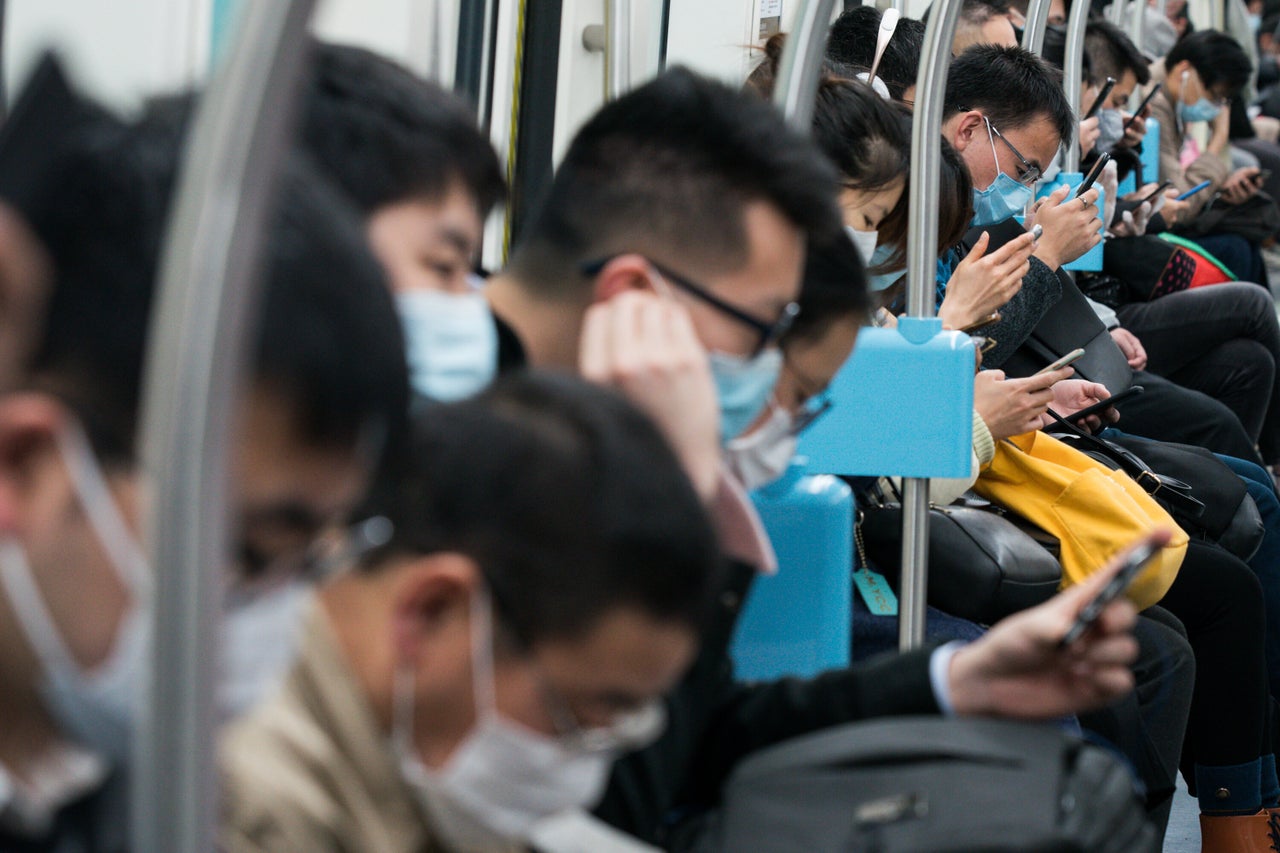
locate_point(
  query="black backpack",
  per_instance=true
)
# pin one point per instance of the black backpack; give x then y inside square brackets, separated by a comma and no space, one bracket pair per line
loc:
[929,785]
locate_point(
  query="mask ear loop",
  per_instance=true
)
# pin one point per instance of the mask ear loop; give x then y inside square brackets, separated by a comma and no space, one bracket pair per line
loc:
[122,548]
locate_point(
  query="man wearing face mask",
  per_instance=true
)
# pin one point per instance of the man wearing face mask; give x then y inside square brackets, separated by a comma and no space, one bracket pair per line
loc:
[74,585]
[411,157]
[481,672]
[1112,54]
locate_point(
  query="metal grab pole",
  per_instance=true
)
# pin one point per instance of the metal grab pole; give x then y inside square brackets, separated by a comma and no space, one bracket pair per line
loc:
[1072,66]
[801,65]
[199,339]
[1137,20]
[1036,21]
[922,262]
[617,55]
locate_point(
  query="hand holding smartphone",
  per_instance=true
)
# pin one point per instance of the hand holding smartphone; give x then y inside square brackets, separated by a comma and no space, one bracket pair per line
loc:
[1101,406]
[1101,99]
[1134,563]
[1142,106]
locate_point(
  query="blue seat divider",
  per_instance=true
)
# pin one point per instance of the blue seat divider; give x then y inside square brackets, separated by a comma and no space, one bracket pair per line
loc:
[902,405]
[798,622]
[1150,154]
[1090,261]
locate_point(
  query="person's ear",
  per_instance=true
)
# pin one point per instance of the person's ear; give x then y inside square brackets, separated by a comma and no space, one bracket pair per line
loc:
[432,599]
[29,425]
[967,125]
[623,273]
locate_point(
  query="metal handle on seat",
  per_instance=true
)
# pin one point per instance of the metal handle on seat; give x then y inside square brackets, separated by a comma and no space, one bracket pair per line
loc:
[208,289]
[922,262]
[614,41]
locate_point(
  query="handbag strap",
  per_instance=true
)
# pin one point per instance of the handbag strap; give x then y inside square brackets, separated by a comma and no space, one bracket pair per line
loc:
[1174,492]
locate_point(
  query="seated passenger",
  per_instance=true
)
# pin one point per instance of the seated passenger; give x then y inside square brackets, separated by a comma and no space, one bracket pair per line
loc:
[328,380]
[1199,75]
[423,175]
[542,589]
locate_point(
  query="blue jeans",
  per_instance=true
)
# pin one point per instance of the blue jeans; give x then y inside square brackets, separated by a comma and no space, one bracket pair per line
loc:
[1265,563]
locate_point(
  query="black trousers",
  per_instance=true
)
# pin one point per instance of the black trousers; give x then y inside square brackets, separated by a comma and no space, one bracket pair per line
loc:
[1222,340]
[1148,726]
[1169,412]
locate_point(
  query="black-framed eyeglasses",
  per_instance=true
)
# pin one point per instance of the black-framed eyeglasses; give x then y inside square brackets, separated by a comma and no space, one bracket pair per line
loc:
[768,332]
[813,409]
[1028,173]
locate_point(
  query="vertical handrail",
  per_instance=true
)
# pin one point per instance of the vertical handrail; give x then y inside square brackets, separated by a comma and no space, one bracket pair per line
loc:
[1036,21]
[801,65]
[4,89]
[1137,20]
[617,53]
[922,263]
[199,339]
[1072,66]
[1218,15]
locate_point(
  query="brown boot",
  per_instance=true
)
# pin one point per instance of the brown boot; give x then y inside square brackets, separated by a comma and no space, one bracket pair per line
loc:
[1255,833]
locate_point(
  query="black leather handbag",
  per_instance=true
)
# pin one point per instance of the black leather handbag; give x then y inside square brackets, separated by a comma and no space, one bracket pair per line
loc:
[983,565]
[929,785]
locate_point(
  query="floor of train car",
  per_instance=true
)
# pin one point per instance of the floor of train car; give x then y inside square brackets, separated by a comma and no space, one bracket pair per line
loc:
[1183,835]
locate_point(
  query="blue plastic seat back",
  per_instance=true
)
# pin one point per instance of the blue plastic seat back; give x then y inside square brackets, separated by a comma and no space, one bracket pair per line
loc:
[902,405]
[1150,154]
[798,622]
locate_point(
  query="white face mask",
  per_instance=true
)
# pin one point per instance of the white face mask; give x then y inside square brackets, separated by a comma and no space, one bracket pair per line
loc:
[260,638]
[764,454]
[503,778]
[95,708]
[451,342]
[865,241]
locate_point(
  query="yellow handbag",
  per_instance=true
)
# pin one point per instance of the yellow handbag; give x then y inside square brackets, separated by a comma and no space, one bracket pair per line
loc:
[1093,510]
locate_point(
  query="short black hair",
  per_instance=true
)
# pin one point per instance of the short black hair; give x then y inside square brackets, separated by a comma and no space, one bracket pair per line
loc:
[567,497]
[1111,52]
[852,41]
[1217,58]
[1010,86]
[385,135]
[328,342]
[835,287]
[667,170]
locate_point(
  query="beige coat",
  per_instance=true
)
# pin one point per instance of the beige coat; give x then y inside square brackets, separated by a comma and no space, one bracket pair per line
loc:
[1206,167]
[311,771]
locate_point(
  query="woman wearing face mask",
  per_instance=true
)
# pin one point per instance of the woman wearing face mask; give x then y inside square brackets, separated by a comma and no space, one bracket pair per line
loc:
[1199,75]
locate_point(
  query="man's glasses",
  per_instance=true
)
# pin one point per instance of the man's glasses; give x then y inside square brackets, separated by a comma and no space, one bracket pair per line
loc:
[769,332]
[1027,172]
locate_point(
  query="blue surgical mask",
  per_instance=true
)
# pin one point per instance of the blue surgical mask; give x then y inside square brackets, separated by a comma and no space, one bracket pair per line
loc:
[743,387]
[877,282]
[451,342]
[1202,110]
[1004,199]
[1110,129]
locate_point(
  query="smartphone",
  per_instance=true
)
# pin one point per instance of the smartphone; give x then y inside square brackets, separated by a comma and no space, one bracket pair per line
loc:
[1137,560]
[1164,185]
[1037,231]
[1142,106]
[1103,160]
[1197,188]
[1069,358]
[1261,178]
[989,320]
[1101,99]
[1102,405]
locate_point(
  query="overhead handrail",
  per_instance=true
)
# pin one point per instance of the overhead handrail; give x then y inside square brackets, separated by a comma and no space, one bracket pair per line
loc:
[614,41]
[1036,21]
[800,67]
[1072,68]
[922,262]
[208,290]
